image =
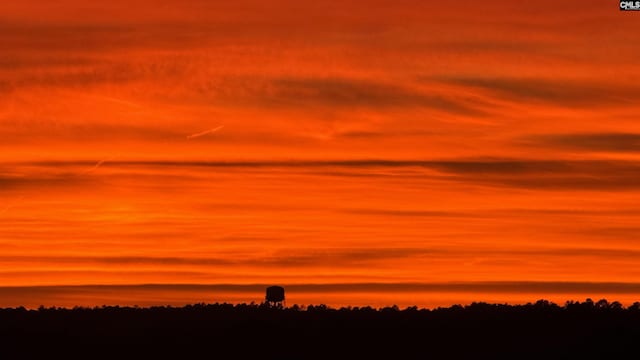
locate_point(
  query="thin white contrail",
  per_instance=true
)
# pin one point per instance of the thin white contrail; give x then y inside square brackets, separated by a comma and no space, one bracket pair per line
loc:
[123,102]
[113,100]
[99,163]
[193,136]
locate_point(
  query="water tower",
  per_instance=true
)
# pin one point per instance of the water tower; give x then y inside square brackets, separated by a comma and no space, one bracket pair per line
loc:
[275,297]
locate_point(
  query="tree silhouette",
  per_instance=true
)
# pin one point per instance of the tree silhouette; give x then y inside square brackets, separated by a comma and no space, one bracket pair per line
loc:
[479,330]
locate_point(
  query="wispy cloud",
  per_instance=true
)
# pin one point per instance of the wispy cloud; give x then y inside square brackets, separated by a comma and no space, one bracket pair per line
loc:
[568,175]
[331,257]
[546,174]
[345,92]
[606,141]
[304,258]
[539,287]
[39,181]
[559,92]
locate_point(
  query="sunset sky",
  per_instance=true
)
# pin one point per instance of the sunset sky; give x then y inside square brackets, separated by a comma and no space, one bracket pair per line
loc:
[355,151]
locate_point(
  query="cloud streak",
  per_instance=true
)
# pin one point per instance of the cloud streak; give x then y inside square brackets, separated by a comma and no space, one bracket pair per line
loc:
[354,93]
[536,287]
[538,174]
[559,92]
[606,142]
[566,175]
[322,258]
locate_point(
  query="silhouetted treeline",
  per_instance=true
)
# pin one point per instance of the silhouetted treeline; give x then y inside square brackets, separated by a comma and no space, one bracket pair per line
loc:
[478,331]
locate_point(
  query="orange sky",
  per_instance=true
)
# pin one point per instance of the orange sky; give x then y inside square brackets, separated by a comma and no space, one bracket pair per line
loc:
[393,145]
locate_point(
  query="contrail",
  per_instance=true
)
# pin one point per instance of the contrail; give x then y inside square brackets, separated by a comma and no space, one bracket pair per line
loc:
[193,136]
[123,102]
[113,100]
[99,163]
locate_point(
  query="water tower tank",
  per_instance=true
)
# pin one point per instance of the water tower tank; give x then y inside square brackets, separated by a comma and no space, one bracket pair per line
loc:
[275,296]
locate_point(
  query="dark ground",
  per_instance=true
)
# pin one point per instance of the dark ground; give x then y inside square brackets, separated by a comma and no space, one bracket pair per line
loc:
[478,331]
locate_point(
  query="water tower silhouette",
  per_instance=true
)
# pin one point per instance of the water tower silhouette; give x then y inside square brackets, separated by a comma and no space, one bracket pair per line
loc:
[275,296]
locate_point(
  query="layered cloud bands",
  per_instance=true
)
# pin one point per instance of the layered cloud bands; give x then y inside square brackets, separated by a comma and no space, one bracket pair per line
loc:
[380,143]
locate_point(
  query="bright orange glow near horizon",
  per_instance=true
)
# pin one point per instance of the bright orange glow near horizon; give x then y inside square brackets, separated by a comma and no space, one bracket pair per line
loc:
[358,152]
